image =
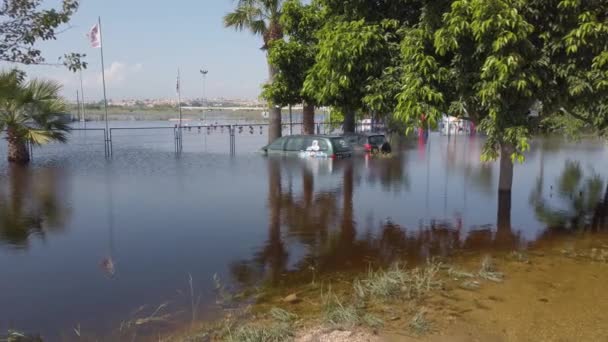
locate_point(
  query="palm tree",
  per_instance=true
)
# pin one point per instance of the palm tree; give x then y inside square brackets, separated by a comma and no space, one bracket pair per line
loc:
[31,112]
[261,17]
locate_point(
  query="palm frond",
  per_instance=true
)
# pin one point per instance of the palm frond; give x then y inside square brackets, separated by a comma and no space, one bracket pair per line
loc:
[10,82]
[258,27]
[247,15]
[33,111]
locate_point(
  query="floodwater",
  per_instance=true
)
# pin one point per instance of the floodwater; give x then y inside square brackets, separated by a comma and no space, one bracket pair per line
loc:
[88,243]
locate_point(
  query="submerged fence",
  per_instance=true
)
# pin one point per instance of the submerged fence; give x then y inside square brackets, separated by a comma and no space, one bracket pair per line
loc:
[213,138]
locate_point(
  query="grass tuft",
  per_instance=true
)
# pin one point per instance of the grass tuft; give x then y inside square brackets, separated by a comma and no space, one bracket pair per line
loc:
[283,316]
[398,282]
[489,271]
[338,314]
[419,324]
[277,332]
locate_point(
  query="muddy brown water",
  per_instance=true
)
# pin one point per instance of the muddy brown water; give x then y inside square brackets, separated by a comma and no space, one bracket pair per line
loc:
[90,243]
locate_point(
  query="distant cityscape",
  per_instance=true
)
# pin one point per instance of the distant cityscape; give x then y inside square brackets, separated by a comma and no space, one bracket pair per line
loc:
[192,102]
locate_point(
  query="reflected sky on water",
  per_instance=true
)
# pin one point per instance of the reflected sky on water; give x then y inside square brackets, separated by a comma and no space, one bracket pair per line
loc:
[84,240]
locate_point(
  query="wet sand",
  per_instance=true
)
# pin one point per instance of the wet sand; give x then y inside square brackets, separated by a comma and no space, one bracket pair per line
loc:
[557,294]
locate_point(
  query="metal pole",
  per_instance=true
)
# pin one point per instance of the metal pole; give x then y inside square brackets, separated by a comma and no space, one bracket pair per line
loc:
[103,78]
[110,146]
[179,104]
[290,122]
[78,104]
[204,72]
[83,118]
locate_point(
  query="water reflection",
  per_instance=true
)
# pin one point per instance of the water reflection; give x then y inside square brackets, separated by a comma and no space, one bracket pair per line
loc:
[31,204]
[148,220]
[577,201]
[323,224]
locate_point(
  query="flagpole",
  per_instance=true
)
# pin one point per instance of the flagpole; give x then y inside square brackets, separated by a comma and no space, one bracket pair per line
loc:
[179,104]
[103,78]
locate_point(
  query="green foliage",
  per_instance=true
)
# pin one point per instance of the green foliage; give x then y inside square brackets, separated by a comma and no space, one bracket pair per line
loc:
[493,60]
[374,11]
[32,111]
[349,54]
[25,23]
[293,58]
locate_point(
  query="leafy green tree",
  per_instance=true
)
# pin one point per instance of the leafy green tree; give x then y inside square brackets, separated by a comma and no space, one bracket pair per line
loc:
[261,17]
[23,23]
[358,65]
[30,112]
[585,69]
[350,52]
[500,63]
[293,58]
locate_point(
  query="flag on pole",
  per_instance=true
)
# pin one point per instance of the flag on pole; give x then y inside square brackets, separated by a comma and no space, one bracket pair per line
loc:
[94,36]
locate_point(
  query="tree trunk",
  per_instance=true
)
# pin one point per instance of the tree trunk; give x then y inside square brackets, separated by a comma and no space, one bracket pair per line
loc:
[274,113]
[308,118]
[505,181]
[504,233]
[349,120]
[17,148]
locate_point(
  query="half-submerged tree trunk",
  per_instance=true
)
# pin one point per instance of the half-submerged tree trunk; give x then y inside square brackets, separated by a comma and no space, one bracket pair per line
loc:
[17,148]
[274,112]
[308,118]
[349,120]
[504,233]
[505,182]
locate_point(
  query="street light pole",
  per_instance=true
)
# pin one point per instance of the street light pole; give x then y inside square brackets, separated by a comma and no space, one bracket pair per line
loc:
[204,72]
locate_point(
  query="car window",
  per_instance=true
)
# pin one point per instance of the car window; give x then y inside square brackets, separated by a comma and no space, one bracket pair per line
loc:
[352,139]
[277,145]
[377,140]
[315,144]
[323,145]
[295,144]
[340,145]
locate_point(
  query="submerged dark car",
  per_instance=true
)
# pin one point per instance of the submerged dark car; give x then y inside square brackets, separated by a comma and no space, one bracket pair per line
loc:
[368,142]
[310,146]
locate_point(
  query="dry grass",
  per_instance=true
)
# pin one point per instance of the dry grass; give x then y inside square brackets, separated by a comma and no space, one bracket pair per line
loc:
[399,282]
[419,324]
[489,271]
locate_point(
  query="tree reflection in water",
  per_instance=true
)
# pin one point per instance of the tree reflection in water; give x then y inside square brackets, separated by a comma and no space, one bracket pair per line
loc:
[324,223]
[30,205]
[578,201]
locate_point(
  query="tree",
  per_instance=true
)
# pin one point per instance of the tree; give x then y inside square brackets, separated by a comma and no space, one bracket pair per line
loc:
[493,61]
[293,59]
[357,67]
[350,52]
[261,17]
[585,69]
[24,23]
[31,113]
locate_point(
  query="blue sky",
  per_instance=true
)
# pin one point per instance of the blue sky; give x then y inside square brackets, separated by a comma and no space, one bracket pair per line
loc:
[145,41]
